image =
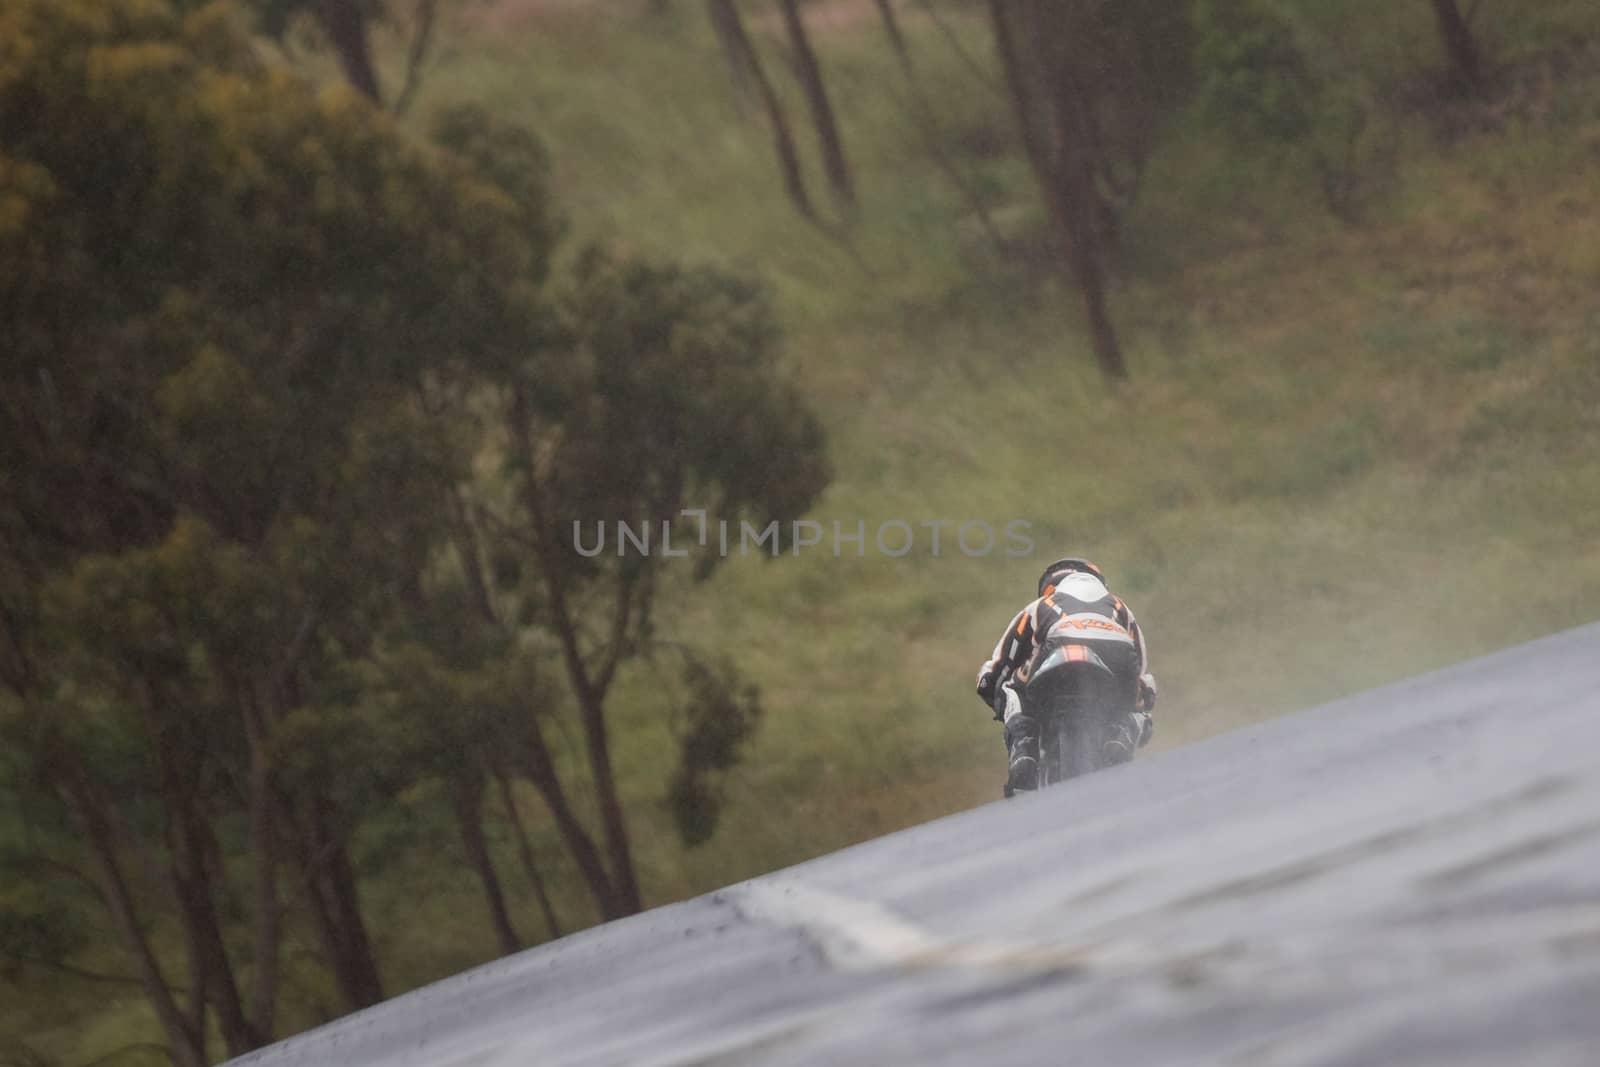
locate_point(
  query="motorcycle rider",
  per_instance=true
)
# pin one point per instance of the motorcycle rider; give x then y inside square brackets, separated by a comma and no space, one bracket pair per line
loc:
[1072,593]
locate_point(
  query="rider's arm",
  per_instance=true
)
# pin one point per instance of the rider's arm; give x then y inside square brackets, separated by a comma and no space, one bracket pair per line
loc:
[1147,681]
[1009,653]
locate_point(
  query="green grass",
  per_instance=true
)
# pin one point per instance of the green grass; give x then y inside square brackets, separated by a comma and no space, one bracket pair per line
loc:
[1347,455]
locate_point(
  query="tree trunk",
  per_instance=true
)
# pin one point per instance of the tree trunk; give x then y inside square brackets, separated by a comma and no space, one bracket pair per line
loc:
[333,950]
[623,892]
[466,799]
[1080,205]
[199,995]
[542,773]
[782,138]
[740,76]
[525,851]
[346,899]
[323,866]
[891,26]
[195,897]
[264,860]
[1459,45]
[346,26]
[184,1045]
[465,533]
[1018,82]
[605,789]
[809,71]
[194,866]
[198,962]
[426,15]
[1055,139]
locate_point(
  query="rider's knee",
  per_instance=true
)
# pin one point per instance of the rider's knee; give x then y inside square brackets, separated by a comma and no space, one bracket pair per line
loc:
[1019,727]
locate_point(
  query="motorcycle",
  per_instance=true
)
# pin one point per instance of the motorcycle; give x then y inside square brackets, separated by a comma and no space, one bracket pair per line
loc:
[1083,709]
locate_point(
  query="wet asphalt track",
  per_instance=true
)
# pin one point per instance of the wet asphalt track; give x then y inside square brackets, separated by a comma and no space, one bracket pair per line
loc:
[1410,876]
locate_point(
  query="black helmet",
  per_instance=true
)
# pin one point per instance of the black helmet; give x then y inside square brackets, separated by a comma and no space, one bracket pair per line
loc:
[1062,567]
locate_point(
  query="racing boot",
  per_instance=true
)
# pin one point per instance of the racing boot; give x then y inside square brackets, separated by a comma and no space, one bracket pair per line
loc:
[1132,732]
[1022,742]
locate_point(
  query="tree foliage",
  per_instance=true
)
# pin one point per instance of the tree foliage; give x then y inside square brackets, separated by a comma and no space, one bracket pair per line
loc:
[671,403]
[1256,79]
[255,586]
[718,718]
[1265,86]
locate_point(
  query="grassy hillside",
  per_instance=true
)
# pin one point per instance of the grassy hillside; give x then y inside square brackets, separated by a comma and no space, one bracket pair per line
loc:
[1348,453]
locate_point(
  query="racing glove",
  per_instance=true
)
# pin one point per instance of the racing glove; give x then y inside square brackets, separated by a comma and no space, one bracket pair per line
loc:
[987,682]
[1147,692]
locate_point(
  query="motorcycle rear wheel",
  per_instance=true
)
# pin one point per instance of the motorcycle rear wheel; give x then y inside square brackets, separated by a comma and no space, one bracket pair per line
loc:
[1071,748]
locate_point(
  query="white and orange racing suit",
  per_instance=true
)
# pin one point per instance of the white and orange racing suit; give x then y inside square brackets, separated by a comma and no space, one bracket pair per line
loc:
[1081,608]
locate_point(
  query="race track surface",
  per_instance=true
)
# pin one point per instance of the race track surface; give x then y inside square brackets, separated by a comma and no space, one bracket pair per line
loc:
[1410,876]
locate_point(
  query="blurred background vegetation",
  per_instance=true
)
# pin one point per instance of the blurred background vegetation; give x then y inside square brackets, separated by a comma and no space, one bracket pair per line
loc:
[323,319]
